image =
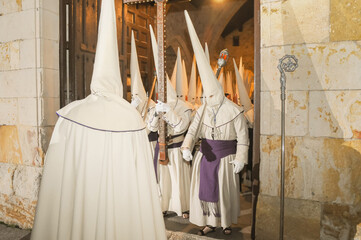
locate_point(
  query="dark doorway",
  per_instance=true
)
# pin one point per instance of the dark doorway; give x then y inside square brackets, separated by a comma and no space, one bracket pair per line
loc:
[78,38]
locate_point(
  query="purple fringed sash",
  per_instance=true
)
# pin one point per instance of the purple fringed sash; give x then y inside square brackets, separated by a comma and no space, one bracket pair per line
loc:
[213,151]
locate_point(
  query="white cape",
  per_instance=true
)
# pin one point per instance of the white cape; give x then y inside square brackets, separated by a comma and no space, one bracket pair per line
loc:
[98,185]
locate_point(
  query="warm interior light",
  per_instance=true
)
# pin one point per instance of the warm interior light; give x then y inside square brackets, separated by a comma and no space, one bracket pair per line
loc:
[218,1]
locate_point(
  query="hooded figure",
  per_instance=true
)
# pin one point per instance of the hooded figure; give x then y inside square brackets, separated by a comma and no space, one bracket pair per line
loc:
[139,96]
[206,51]
[192,90]
[220,123]
[199,97]
[98,168]
[244,98]
[173,178]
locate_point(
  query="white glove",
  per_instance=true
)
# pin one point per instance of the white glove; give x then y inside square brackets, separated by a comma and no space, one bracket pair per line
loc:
[187,155]
[162,107]
[238,165]
[135,101]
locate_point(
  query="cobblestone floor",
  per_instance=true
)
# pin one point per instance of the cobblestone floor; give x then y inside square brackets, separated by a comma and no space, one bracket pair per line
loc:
[177,227]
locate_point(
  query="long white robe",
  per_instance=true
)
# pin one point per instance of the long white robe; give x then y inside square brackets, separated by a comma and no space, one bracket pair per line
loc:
[98,185]
[175,177]
[230,125]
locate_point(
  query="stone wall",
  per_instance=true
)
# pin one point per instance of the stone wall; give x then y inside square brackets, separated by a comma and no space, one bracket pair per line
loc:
[29,97]
[245,48]
[323,119]
[209,27]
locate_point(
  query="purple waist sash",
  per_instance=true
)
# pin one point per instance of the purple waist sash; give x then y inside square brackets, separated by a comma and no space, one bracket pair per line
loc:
[213,151]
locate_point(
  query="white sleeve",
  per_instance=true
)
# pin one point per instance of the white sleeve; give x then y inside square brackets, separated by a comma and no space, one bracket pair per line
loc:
[179,122]
[152,120]
[192,131]
[241,127]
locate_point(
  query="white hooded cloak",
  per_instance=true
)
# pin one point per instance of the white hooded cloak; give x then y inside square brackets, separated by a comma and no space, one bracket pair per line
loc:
[223,120]
[173,178]
[98,181]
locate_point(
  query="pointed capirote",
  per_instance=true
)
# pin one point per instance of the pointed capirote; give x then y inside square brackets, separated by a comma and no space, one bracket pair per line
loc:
[212,89]
[192,91]
[199,91]
[206,50]
[106,74]
[241,67]
[104,109]
[155,48]
[173,79]
[222,82]
[243,94]
[229,80]
[137,87]
[171,93]
[179,76]
[184,82]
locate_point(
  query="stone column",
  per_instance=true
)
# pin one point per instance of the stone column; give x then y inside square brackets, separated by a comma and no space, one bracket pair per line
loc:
[323,119]
[29,97]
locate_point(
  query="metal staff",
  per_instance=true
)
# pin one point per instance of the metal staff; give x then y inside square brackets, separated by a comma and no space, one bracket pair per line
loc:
[286,64]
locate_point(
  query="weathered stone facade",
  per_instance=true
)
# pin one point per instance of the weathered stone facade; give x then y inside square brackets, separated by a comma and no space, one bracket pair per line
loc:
[29,97]
[323,113]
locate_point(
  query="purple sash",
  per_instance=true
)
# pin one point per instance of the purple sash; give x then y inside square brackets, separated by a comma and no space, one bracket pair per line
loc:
[213,151]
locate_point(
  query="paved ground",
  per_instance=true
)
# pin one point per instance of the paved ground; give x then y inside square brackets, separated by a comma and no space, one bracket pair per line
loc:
[13,233]
[177,227]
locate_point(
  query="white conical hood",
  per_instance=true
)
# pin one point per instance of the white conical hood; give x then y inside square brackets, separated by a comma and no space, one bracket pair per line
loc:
[184,89]
[192,91]
[229,84]
[206,50]
[137,87]
[106,74]
[244,99]
[241,67]
[171,93]
[237,101]
[199,91]
[105,109]
[212,89]
[173,80]
[179,76]
[222,82]
[155,48]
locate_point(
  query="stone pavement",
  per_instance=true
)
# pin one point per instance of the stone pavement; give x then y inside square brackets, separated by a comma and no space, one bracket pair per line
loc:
[177,227]
[13,233]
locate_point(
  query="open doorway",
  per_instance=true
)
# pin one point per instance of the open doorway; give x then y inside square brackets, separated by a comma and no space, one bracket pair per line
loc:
[231,24]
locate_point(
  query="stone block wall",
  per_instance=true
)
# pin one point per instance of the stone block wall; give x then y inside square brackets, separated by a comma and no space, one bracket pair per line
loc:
[323,119]
[29,97]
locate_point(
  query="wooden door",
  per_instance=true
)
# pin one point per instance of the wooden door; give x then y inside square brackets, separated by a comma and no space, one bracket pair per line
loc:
[78,38]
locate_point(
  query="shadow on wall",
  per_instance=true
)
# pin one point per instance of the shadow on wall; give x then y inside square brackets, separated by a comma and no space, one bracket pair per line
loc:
[323,146]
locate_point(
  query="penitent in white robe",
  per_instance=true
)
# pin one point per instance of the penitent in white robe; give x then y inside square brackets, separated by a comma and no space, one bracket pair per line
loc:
[175,177]
[230,125]
[98,184]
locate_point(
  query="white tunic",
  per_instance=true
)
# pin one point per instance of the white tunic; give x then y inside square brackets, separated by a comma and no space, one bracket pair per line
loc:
[98,185]
[175,177]
[230,125]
